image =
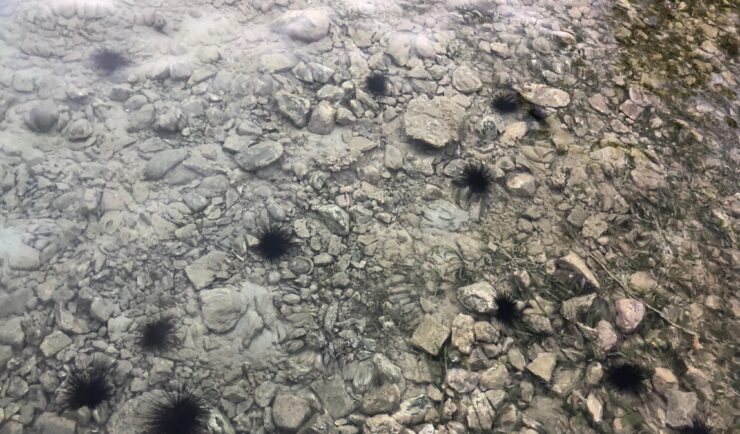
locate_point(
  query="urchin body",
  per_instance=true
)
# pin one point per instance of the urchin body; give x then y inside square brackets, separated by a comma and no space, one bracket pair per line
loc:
[274,242]
[179,412]
[157,335]
[377,84]
[627,378]
[698,426]
[507,310]
[476,178]
[108,61]
[87,388]
[507,102]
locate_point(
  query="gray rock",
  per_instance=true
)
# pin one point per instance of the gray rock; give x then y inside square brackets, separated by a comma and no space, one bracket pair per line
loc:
[461,380]
[54,343]
[102,309]
[78,130]
[333,396]
[203,271]
[264,393]
[24,257]
[11,332]
[290,412]
[335,218]
[399,48]
[180,71]
[485,332]
[480,413]
[462,333]
[50,423]
[413,410]
[521,184]
[393,157]
[466,80]
[6,353]
[222,308]
[278,62]
[260,155]
[681,408]
[118,327]
[433,122]
[478,297]
[162,162]
[431,334]
[543,365]
[307,25]
[545,96]
[322,118]
[293,107]
[574,306]
[383,424]
[383,399]
[629,314]
[443,214]
[319,424]
[494,377]
[573,262]
[43,116]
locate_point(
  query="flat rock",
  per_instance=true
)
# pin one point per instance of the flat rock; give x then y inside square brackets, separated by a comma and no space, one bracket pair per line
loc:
[293,107]
[204,270]
[443,214]
[413,410]
[54,343]
[462,380]
[431,334]
[50,423]
[308,25]
[222,308]
[573,262]
[629,314]
[162,162]
[462,333]
[479,297]
[606,336]
[521,184]
[433,122]
[335,218]
[543,365]
[333,396]
[383,399]
[290,412]
[399,48]
[11,332]
[466,80]
[545,96]
[322,118]
[258,156]
[681,408]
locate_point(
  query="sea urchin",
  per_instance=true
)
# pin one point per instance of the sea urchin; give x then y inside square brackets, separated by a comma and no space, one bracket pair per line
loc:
[627,378]
[109,61]
[507,311]
[157,334]
[88,387]
[180,412]
[476,178]
[376,83]
[274,242]
[697,426]
[507,102]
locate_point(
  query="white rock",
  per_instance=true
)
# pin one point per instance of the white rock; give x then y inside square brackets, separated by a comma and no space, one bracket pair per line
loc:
[466,80]
[629,314]
[478,297]
[307,25]
[543,365]
[545,96]
[222,308]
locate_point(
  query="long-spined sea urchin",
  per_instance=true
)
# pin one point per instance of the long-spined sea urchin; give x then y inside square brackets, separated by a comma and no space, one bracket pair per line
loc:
[507,310]
[88,387]
[178,412]
[476,178]
[698,426]
[157,335]
[274,242]
[109,61]
[507,102]
[376,83]
[627,378]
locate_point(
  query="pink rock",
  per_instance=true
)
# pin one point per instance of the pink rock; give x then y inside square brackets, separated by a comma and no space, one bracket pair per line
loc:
[629,314]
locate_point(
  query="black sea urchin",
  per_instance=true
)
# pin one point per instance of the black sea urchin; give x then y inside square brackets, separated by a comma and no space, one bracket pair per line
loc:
[507,311]
[476,178]
[627,378]
[274,242]
[376,83]
[109,61]
[507,102]
[88,387]
[697,426]
[179,412]
[157,334]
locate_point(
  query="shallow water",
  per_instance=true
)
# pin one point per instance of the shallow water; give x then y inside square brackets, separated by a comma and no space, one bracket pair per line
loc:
[141,189]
